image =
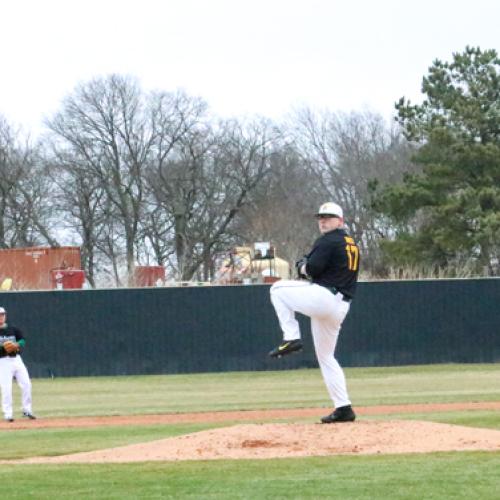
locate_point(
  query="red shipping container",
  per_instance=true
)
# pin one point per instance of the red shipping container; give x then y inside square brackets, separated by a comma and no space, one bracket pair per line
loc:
[30,267]
[149,275]
[271,279]
[67,278]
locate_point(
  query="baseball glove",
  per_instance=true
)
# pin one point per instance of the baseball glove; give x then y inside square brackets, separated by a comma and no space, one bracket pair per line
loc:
[298,267]
[11,347]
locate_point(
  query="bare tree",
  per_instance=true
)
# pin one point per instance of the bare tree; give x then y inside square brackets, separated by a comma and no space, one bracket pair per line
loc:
[81,203]
[178,123]
[26,208]
[281,210]
[345,152]
[109,137]
[206,185]
[155,240]
[149,177]
[104,126]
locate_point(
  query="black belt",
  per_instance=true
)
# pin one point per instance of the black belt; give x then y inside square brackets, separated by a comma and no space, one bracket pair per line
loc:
[345,298]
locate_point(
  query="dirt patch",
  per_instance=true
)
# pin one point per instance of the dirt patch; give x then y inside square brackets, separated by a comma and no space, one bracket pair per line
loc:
[277,440]
[263,441]
[241,416]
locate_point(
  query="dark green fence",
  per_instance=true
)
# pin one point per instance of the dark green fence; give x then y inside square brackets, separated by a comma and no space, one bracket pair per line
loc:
[212,329]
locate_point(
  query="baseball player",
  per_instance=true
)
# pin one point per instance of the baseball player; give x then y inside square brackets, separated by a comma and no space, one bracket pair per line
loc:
[331,271]
[11,365]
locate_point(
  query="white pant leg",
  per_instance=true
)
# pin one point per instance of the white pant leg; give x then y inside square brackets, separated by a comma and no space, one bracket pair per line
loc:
[325,334]
[289,296]
[24,383]
[327,312]
[6,370]
[280,298]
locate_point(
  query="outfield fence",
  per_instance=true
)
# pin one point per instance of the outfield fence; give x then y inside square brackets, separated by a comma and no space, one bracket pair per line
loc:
[231,328]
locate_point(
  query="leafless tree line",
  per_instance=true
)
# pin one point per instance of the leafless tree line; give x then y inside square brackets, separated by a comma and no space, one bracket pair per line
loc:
[153,178]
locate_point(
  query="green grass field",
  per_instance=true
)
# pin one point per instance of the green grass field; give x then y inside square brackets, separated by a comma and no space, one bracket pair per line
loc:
[436,475]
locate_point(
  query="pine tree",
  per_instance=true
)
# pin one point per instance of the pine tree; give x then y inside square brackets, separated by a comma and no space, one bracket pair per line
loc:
[450,212]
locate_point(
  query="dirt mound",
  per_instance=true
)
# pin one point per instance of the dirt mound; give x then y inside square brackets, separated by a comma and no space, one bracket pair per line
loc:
[296,440]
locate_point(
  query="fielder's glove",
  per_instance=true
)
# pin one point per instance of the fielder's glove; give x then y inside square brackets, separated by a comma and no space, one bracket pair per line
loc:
[299,265]
[11,347]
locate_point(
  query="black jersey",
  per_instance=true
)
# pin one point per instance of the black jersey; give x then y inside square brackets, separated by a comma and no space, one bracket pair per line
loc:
[10,333]
[334,262]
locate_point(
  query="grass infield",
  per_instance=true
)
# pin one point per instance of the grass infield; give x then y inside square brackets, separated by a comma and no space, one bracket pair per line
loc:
[150,394]
[437,475]
[430,476]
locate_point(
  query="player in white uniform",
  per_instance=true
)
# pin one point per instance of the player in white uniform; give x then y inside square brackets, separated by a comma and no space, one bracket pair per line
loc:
[12,366]
[331,268]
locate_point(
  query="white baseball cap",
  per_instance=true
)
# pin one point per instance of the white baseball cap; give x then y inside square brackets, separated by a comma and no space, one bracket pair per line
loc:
[330,208]
[2,310]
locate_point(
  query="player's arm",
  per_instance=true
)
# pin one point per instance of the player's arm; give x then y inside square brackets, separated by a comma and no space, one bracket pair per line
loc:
[300,267]
[21,342]
[318,259]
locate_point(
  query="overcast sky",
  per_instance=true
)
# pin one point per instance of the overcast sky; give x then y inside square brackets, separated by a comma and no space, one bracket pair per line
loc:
[243,57]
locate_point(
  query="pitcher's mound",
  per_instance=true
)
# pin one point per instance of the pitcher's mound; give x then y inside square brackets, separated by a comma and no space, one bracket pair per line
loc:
[297,440]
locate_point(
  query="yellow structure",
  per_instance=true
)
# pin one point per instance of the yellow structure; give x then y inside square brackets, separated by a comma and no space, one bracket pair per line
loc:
[247,265]
[6,284]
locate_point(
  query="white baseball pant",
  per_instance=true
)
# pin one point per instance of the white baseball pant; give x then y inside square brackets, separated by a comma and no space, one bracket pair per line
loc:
[11,367]
[327,312]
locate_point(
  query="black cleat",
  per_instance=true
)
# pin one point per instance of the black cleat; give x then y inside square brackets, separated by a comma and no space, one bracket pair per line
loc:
[342,414]
[286,347]
[29,415]
[9,419]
